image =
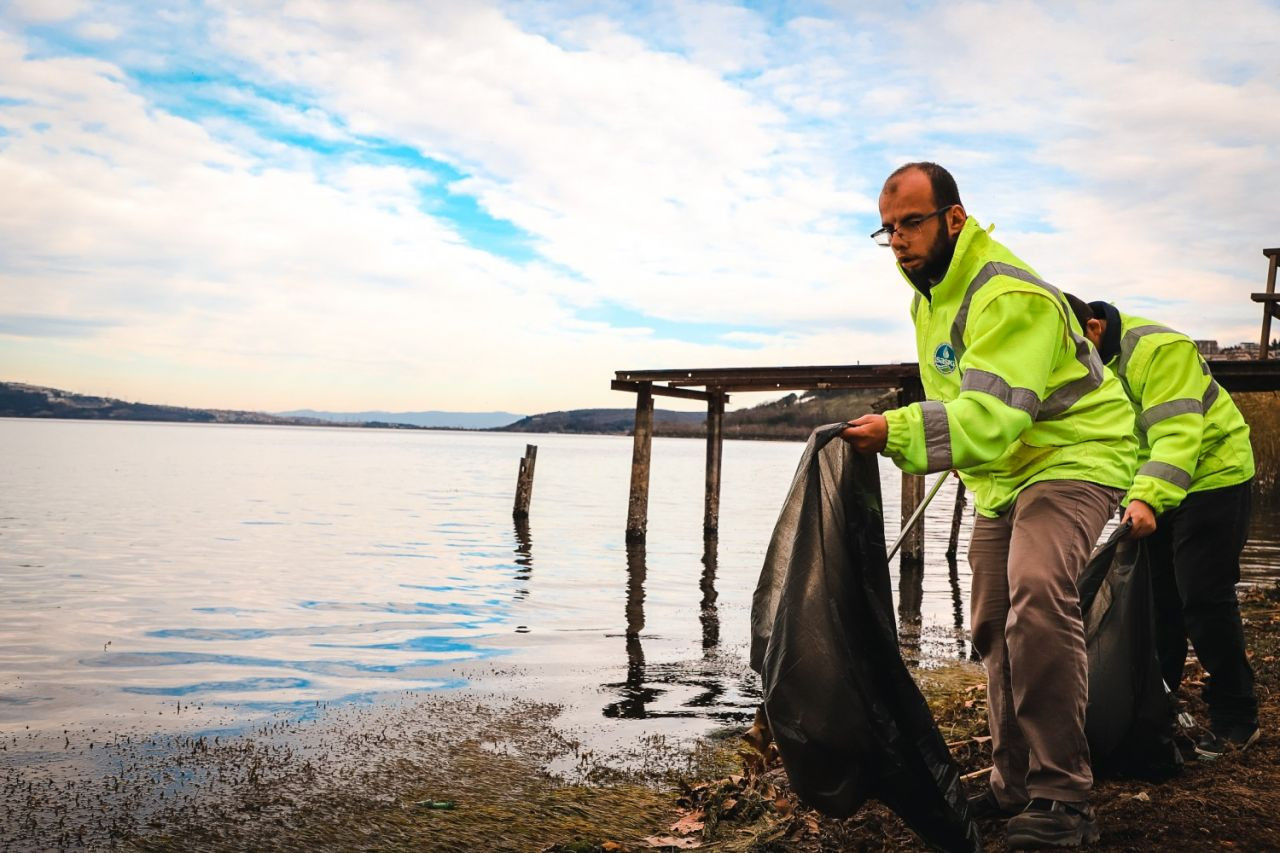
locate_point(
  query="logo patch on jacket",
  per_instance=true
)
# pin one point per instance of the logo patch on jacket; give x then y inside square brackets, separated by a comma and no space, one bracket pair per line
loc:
[944,359]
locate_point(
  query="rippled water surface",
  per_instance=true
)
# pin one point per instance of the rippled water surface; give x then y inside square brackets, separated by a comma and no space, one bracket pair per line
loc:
[145,568]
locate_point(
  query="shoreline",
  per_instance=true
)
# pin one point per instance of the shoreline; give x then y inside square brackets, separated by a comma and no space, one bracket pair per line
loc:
[470,771]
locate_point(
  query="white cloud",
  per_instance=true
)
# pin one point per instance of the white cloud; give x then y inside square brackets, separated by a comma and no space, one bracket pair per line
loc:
[633,167]
[44,11]
[99,31]
[703,164]
[1122,128]
[270,287]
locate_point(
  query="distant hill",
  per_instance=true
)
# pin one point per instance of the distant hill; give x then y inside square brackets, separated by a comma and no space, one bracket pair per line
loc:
[446,420]
[19,400]
[791,418]
[607,421]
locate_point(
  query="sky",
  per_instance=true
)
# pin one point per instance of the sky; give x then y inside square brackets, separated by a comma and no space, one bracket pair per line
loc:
[476,206]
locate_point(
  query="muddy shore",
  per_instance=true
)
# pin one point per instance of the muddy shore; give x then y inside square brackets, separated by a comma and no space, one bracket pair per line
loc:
[500,772]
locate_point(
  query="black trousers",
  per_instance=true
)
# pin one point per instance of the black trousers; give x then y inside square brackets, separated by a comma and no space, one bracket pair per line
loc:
[1195,566]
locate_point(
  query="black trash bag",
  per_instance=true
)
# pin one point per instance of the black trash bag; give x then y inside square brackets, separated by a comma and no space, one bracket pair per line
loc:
[1130,719]
[847,718]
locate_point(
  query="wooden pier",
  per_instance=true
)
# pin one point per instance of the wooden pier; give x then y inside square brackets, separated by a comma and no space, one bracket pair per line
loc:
[713,386]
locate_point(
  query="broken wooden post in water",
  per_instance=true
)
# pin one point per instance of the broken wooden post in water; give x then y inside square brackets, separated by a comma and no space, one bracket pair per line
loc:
[524,482]
[954,544]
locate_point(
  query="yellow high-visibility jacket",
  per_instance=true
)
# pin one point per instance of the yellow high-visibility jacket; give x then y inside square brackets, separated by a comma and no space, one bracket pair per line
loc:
[1016,394]
[1192,438]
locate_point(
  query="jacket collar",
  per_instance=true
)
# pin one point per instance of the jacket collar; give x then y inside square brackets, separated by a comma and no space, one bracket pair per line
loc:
[970,235]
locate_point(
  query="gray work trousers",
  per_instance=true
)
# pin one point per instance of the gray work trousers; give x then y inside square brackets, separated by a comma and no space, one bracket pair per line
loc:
[1025,612]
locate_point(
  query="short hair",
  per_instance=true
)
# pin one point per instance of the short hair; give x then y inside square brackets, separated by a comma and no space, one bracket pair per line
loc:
[945,191]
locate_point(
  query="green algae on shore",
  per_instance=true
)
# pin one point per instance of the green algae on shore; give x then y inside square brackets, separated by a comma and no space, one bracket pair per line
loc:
[367,777]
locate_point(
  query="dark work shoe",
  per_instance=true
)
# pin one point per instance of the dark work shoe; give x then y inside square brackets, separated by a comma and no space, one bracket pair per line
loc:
[1230,739]
[1052,823]
[985,806]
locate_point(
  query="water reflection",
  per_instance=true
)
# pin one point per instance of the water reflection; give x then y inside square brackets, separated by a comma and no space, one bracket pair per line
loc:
[710,614]
[953,570]
[524,557]
[635,695]
[910,602]
[702,688]
[957,607]
[953,542]
[1260,561]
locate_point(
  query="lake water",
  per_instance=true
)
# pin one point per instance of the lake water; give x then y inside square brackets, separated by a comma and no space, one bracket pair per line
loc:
[173,576]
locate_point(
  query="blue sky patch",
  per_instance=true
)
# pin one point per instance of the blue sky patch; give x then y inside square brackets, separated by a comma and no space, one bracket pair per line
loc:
[621,317]
[476,225]
[48,326]
[209,98]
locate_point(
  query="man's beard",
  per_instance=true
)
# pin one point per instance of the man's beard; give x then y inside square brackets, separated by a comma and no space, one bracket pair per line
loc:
[936,262]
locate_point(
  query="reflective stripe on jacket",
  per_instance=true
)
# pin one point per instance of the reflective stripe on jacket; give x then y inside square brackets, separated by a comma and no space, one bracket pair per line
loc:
[1191,435]
[1016,394]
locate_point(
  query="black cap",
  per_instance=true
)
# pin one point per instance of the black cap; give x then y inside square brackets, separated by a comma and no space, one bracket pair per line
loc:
[1108,313]
[1079,308]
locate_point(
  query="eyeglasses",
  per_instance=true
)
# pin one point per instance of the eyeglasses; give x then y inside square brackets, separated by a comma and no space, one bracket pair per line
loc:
[907,228]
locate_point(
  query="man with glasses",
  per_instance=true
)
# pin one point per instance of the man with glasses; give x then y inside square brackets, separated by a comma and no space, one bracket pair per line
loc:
[1192,496]
[1018,403]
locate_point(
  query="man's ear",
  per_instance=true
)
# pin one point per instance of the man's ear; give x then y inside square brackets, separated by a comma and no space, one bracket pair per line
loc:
[955,219]
[1094,330]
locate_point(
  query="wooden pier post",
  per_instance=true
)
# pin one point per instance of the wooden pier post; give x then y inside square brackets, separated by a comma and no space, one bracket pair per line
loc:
[1270,302]
[524,482]
[954,544]
[912,494]
[715,447]
[642,441]
[912,497]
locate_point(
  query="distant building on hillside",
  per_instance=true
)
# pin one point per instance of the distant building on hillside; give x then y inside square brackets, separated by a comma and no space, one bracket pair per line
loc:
[1243,351]
[1207,347]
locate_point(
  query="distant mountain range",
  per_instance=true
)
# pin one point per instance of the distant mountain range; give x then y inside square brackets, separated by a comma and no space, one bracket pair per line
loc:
[791,418]
[438,420]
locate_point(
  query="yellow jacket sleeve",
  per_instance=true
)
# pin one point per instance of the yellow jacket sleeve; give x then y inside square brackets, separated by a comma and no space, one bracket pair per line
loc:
[1170,391]
[1011,346]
